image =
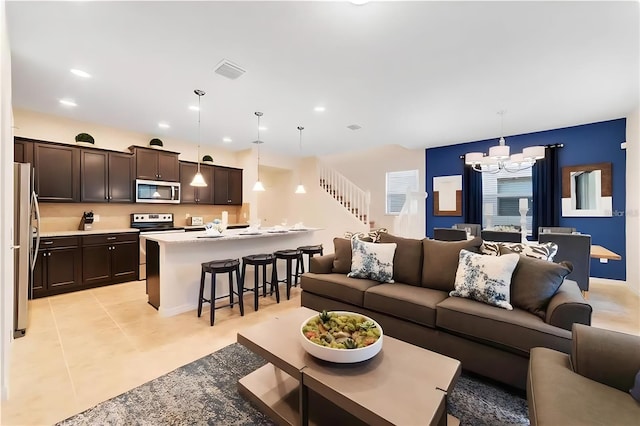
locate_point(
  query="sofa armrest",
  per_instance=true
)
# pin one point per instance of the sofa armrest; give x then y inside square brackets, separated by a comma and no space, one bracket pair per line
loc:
[568,306]
[606,356]
[321,264]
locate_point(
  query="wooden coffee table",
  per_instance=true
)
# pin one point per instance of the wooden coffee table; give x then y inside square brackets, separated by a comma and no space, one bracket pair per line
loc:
[403,385]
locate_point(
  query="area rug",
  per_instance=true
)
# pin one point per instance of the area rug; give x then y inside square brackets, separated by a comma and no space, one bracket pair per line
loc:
[205,392]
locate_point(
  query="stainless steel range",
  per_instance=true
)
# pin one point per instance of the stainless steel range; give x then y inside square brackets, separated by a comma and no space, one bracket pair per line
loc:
[151,223]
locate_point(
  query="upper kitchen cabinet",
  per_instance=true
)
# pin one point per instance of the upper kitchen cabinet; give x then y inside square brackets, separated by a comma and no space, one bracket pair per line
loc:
[227,186]
[106,176]
[23,151]
[57,172]
[193,194]
[153,164]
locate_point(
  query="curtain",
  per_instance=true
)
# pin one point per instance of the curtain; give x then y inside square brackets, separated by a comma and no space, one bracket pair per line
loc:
[472,190]
[545,178]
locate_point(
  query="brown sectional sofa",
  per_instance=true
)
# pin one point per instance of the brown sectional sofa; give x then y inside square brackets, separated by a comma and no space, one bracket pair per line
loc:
[417,308]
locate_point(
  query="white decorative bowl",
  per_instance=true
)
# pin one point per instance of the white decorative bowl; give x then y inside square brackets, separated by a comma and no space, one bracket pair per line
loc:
[341,355]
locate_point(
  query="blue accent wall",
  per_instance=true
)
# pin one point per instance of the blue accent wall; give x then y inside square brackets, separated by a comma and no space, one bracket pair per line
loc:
[585,144]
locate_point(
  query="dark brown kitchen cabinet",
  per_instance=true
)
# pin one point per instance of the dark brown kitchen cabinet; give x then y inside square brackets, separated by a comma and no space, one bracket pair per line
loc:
[227,186]
[57,172]
[153,164]
[192,194]
[106,176]
[23,151]
[58,266]
[109,259]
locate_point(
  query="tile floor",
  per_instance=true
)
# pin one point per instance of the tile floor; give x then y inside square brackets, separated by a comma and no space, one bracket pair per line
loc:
[83,348]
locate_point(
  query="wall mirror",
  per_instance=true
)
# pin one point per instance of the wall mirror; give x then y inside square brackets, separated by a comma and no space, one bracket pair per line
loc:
[587,190]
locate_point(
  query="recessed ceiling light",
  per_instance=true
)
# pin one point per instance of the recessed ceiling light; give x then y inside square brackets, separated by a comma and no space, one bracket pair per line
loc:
[359,2]
[163,125]
[263,128]
[319,109]
[227,140]
[68,102]
[80,73]
[194,108]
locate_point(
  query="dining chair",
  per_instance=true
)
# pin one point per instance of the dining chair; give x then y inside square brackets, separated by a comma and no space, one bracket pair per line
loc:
[576,248]
[501,236]
[449,234]
[556,230]
[475,228]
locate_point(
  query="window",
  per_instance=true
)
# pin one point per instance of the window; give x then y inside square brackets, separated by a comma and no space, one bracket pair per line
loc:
[503,191]
[398,184]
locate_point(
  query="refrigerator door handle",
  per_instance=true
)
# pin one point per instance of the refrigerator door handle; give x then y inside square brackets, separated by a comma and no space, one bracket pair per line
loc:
[36,209]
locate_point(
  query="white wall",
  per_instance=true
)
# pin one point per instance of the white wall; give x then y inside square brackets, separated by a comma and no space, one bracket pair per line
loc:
[6,210]
[52,128]
[368,169]
[633,200]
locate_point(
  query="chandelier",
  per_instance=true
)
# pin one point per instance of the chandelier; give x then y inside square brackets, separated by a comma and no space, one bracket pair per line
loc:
[198,179]
[258,186]
[499,157]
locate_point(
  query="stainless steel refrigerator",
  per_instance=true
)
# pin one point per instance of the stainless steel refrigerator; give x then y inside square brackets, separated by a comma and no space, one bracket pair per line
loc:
[26,239]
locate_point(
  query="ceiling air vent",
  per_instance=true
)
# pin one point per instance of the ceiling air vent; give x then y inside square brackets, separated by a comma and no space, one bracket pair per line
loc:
[228,69]
[354,127]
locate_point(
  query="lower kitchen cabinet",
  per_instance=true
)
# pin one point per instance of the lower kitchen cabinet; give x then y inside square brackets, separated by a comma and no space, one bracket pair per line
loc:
[58,267]
[109,258]
[67,264]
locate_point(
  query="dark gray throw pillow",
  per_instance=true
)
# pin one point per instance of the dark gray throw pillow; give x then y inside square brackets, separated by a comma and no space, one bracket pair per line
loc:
[407,262]
[342,255]
[535,281]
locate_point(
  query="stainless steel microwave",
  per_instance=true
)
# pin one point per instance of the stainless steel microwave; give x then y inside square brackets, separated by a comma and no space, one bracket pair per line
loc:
[153,191]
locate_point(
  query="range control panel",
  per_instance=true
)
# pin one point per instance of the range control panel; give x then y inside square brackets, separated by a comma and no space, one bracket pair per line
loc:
[152,217]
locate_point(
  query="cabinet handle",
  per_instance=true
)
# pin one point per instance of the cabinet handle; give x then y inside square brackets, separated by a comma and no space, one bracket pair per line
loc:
[159,176]
[111,238]
[113,248]
[48,242]
[109,248]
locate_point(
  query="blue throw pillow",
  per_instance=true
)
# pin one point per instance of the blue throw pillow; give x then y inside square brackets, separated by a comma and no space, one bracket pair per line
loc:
[635,390]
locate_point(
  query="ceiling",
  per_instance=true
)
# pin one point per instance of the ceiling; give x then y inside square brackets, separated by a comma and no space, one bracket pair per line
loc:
[418,74]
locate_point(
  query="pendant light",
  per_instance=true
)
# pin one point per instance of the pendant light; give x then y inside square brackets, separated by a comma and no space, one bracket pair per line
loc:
[300,188]
[198,179]
[258,186]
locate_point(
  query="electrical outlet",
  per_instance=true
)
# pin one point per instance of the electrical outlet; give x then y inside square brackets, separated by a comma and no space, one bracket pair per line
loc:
[244,215]
[187,216]
[604,260]
[96,218]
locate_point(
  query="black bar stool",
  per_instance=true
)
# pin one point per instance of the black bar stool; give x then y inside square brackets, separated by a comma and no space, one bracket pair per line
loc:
[257,260]
[289,256]
[310,251]
[219,267]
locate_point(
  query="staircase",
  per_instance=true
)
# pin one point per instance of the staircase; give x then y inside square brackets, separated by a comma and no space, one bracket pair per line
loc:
[355,200]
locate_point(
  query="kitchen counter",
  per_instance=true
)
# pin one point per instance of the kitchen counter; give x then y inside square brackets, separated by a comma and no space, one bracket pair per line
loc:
[228,235]
[201,227]
[174,262]
[92,232]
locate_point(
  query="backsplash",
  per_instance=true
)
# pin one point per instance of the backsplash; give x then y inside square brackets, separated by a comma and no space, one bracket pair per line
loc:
[66,216]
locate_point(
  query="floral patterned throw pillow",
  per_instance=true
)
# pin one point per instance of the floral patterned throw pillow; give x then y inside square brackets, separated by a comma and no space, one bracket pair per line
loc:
[543,251]
[372,260]
[486,279]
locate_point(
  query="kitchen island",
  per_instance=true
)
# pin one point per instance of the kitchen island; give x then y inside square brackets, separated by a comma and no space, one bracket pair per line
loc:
[174,262]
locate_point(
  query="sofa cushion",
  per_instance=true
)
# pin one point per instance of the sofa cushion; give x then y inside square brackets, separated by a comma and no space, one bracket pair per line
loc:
[407,262]
[517,331]
[534,282]
[342,255]
[337,286]
[371,260]
[440,261]
[405,301]
[558,396]
[486,279]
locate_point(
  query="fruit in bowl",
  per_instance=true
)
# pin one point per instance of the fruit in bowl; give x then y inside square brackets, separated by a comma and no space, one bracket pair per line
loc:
[341,336]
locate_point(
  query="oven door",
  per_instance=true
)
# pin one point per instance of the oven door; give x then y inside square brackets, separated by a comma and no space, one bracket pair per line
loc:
[152,191]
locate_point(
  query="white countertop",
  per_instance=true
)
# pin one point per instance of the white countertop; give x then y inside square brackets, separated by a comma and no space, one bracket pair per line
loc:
[92,232]
[229,234]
